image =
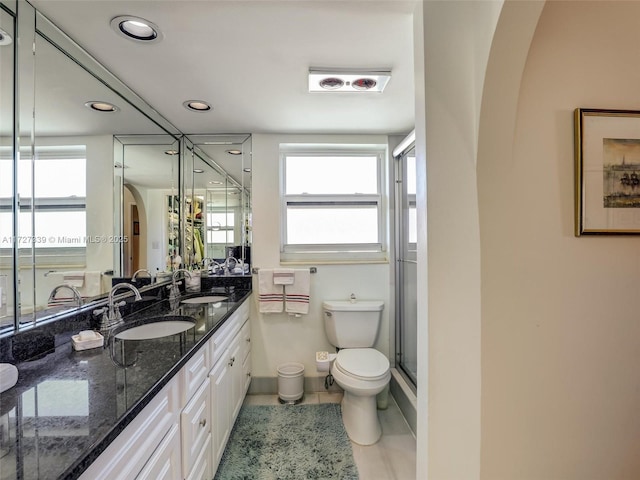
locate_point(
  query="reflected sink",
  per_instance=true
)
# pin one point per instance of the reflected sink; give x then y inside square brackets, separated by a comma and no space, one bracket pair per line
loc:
[206,299]
[163,327]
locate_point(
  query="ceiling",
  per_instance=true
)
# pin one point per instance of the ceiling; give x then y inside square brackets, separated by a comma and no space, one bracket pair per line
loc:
[250,59]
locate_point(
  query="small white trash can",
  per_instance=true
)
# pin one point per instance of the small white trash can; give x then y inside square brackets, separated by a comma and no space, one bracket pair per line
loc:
[290,382]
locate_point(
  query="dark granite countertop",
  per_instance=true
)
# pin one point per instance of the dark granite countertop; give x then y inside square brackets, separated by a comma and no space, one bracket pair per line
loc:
[68,405]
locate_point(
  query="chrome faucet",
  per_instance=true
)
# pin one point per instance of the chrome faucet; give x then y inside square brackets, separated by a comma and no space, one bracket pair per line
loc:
[76,295]
[142,270]
[111,315]
[174,292]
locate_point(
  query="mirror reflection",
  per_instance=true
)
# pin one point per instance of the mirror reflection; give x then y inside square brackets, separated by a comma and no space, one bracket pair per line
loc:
[65,222]
[104,186]
[7,302]
[218,192]
[146,183]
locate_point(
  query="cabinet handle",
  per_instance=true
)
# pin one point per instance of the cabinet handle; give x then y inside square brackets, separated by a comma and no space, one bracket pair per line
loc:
[203,422]
[248,374]
[232,361]
[248,340]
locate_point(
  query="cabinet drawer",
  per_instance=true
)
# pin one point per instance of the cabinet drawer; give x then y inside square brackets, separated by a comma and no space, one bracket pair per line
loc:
[195,422]
[164,464]
[194,373]
[223,337]
[125,457]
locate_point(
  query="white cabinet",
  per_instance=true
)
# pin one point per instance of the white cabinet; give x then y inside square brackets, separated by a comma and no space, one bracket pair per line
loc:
[164,464]
[126,457]
[229,378]
[195,422]
[220,378]
[182,432]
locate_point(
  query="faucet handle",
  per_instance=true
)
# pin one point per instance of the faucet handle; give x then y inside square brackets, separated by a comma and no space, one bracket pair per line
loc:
[120,304]
[100,311]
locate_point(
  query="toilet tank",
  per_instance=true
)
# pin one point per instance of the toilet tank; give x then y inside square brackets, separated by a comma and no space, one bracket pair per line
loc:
[352,324]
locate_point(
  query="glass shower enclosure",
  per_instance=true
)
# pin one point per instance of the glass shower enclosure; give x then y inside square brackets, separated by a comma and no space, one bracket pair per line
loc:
[406,263]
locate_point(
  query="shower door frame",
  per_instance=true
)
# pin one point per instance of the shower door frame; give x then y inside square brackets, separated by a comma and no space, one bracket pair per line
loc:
[406,261]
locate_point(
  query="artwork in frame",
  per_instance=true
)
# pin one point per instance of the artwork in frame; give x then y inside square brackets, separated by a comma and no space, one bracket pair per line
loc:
[607,159]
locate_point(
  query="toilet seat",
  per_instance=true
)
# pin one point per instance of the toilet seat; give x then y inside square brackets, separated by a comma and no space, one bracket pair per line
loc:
[362,363]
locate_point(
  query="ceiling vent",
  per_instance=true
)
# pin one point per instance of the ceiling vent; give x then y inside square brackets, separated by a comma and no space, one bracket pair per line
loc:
[348,80]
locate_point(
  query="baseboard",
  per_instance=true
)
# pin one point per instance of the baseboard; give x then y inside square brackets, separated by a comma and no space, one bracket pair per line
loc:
[405,398]
[269,385]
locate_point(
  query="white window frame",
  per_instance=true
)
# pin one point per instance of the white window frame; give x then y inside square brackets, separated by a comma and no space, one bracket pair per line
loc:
[335,253]
[56,255]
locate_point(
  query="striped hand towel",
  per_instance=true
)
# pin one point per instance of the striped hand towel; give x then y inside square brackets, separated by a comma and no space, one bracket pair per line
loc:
[296,296]
[270,296]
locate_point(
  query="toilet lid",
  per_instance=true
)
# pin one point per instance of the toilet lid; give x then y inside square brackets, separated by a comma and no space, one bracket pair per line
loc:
[365,363]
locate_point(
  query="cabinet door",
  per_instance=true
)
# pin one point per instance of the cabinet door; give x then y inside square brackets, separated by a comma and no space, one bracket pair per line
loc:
[237,379]
[220,407]
[164,464]
[196,425]
[202,469]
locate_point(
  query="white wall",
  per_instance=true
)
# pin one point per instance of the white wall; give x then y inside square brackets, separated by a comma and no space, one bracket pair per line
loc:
[278,338]
[560,329]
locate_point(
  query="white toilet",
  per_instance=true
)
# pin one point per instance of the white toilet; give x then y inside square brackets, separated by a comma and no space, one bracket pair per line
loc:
[359,369]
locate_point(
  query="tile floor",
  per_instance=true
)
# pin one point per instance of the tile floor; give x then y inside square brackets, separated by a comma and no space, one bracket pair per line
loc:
[392,458]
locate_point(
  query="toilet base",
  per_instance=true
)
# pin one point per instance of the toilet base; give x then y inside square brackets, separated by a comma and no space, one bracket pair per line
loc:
[360,418]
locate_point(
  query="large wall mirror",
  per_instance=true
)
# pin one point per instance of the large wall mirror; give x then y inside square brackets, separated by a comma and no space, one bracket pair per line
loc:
[218,194]
[146,186]
[86,193]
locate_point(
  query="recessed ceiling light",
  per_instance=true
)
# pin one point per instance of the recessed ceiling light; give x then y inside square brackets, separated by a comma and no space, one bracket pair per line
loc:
[136,28]
[215,182]
[246,170]
[348,80]
[5,38]
[197,105]
[198,170]
[234,152]
[171,152]
[101,106]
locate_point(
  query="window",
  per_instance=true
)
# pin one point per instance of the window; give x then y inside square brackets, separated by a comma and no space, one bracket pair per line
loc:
[332,204]
[56,217]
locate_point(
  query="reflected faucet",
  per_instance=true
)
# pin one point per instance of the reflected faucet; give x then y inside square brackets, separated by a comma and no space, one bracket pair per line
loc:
[174,293]
[77,298]
[229,264]
[135,274]
[111,315]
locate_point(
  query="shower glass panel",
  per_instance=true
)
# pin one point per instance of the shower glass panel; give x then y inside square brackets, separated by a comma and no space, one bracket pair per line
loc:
[406,272]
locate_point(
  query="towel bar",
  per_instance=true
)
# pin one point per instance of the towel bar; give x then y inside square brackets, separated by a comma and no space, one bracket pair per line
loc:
[254,270]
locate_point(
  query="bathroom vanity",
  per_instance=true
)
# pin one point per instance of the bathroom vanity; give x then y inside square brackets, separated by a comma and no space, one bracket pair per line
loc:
[143,408]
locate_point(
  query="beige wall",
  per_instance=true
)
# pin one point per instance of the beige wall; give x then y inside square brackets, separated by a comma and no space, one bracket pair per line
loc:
[457,40]
[560,324]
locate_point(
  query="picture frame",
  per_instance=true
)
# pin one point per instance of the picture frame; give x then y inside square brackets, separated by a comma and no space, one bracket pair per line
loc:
[607,172]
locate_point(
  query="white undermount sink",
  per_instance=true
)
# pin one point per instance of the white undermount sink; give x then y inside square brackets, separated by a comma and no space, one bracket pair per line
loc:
[205,299]
[157,329]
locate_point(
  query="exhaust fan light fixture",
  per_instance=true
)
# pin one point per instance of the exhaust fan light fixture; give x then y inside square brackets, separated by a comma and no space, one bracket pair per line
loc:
[348,80]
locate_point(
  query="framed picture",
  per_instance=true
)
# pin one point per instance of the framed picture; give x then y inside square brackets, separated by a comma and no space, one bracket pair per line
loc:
[607,157]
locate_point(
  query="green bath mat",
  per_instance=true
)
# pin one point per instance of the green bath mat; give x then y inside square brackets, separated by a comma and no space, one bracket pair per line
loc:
[288,442]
